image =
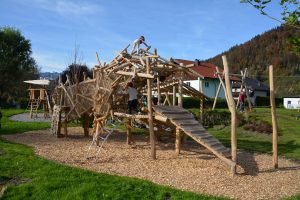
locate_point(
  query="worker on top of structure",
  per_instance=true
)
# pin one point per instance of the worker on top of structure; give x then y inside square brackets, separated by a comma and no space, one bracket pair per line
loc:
[137,43]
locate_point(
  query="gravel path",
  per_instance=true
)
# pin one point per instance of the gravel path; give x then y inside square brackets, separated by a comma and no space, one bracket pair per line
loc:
[24,117]
[194,170]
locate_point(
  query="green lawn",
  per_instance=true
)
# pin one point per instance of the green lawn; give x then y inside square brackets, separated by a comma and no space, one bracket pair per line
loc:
[45,179]
[288,140]
[11,127]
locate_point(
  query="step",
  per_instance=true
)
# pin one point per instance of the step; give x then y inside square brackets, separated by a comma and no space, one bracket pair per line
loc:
[186,122]
[180,116]
[175,112]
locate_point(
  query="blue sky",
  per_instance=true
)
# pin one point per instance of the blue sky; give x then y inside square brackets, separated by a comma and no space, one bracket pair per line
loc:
[186,29]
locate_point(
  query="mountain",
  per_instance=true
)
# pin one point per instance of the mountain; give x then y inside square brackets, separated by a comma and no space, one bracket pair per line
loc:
[49,75]
[269,48]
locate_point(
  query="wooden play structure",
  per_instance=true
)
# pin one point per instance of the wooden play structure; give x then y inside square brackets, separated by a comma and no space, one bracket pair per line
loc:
[38,97]
[152,75]
[243,87]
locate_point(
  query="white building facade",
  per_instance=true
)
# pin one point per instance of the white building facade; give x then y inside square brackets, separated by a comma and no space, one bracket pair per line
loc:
[291,102]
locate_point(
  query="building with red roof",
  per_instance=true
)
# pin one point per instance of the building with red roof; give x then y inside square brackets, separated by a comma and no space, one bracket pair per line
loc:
[208,74]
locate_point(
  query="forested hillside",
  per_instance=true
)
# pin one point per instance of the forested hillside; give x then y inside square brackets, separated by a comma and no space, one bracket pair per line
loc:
[269,48]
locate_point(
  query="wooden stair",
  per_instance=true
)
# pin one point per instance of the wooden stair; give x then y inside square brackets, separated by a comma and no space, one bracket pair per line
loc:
[184,120]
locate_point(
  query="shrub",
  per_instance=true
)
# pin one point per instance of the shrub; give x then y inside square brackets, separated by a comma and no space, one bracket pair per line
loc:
[214,117]
[258,126]
[192,102]
[265,101]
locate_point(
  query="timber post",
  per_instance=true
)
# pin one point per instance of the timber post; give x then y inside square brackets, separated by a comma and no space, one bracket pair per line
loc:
[274,118]
[128,130]
[150,112]
[178,141]
[174,95]
[233,115]
[86,122]
[201,99]
[158,83]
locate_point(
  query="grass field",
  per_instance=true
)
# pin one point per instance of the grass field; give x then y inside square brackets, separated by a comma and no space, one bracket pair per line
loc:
[288,140]
[44,179]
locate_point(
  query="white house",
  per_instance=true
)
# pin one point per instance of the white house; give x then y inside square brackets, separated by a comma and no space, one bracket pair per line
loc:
[210,80]
[291,102]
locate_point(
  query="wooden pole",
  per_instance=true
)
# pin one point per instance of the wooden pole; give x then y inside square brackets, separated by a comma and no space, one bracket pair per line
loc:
[180,92]
[128,130]
[233,115]
[201,99]
[178,141]
[158,82]
[158,91]
[217,96]
[174,95]
[274,118]
[150,112]
[86,121]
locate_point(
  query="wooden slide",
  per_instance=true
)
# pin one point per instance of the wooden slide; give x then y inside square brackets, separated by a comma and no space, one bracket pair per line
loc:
[184,120]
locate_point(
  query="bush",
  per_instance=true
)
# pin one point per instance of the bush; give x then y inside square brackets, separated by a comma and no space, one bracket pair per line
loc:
[258,126]
[192,102]
[214,117]
[265,101]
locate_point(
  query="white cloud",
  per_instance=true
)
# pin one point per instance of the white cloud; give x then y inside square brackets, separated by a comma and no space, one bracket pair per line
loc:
[49,63]
[67,8]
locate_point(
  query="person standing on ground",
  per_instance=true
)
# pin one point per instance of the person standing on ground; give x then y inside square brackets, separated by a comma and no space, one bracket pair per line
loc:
[242,101]
[137,43]
[132,101]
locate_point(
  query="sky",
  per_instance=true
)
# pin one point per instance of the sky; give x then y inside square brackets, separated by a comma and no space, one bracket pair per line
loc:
[186,29]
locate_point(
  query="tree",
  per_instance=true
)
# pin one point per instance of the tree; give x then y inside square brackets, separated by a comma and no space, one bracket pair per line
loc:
[290,15]
[290,10]
[76,69]
[16,64]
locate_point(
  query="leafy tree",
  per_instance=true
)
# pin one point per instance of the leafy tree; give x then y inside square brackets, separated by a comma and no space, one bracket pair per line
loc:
[76,69]
[290,15]
[290,10]
[16,64]
[75,72]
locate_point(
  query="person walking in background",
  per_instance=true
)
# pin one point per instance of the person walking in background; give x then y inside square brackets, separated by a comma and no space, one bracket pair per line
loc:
[137,43]
[242,101]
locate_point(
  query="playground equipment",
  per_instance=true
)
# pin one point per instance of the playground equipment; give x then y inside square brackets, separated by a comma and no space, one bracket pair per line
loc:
[151,75]
[243,87]
[38,97]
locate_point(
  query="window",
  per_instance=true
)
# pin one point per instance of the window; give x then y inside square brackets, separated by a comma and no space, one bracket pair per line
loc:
[206,84]
[289,102]
[188,83]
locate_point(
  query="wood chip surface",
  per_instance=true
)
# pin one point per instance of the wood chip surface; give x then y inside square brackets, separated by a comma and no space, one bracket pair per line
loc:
[195,169]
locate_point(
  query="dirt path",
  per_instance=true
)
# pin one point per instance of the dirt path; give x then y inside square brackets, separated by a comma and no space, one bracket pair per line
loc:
[195,169]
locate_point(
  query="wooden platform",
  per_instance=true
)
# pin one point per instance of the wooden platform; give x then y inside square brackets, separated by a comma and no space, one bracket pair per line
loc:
[184,120]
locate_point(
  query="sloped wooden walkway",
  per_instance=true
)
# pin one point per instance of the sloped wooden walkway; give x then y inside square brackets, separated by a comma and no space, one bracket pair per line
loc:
[184,120]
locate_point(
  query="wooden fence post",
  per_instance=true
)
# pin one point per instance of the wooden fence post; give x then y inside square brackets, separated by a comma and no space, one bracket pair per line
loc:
[233,114]
[274,118]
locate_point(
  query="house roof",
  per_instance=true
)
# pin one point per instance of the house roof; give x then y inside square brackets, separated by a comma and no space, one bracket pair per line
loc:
[252,84]
[293,97]
[38,82]
[207,70]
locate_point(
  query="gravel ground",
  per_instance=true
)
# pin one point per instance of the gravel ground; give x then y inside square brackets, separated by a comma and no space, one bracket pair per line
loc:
[194,170]
[24,117]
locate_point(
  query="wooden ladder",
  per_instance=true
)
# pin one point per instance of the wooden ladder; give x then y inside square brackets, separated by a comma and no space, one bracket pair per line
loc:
[184,120]
[34,106]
